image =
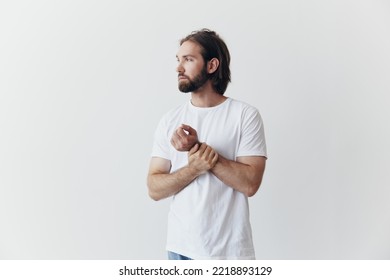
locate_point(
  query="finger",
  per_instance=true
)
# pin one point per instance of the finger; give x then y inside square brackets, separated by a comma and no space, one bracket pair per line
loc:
[180,133]
[208,153]
[215,158]
[194,149]
[202,149]
[176,143]
[175,137]
[189,129]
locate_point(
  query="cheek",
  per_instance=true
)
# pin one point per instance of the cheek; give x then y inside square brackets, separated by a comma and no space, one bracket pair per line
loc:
[192,70]
[188,72]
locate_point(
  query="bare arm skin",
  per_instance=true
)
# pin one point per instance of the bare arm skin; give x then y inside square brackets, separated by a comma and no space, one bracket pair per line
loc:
[244,175]
[162,184]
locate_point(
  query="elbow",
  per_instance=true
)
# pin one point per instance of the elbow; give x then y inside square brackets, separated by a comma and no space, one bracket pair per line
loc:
[254,182]
[152,194]
[253,188]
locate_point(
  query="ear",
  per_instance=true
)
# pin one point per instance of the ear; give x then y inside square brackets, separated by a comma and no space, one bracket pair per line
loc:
[212,65]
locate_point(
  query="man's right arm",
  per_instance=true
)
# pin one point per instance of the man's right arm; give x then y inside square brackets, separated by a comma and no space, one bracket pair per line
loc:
[162,184]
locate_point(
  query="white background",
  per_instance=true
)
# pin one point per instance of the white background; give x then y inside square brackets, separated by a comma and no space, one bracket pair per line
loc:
[84,83]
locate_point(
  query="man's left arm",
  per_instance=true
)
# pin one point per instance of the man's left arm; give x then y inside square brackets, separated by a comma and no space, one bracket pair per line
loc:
[244,175]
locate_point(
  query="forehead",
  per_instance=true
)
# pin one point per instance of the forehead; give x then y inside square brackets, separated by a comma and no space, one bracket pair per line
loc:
[189,48]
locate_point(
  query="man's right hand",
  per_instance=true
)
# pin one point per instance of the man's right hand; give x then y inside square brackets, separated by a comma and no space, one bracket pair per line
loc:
[184,138]
[202,158]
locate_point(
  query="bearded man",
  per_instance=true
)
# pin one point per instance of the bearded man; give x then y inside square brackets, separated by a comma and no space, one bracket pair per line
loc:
[208,156]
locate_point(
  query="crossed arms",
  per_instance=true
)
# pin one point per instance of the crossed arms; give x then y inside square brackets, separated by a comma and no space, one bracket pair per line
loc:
[244,175]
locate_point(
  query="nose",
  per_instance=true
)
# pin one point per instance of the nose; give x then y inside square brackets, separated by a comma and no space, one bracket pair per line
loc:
[179,68]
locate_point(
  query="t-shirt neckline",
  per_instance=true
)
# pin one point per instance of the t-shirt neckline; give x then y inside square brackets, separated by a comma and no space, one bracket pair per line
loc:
[193,107]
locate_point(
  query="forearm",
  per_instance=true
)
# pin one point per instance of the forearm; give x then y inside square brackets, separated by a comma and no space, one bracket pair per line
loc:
[242,177]
[165,185]
[162,184]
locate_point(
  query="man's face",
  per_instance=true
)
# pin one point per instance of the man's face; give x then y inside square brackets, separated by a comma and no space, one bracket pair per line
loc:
[191,68]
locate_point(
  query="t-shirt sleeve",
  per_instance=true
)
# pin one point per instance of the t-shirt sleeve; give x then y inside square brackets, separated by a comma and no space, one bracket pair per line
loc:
[252,138]
[161,142]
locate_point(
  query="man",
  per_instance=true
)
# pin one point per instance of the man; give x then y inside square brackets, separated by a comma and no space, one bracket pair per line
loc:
[208,155]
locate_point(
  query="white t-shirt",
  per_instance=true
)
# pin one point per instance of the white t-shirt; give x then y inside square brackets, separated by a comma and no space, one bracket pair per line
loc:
[208,219]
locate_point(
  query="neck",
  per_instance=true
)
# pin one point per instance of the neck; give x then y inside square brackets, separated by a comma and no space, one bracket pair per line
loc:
[206,97]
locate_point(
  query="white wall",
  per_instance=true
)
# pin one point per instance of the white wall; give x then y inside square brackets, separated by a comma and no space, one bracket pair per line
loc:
[84,83]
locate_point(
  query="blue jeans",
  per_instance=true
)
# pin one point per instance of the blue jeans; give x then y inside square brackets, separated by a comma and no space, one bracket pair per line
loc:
[175,256]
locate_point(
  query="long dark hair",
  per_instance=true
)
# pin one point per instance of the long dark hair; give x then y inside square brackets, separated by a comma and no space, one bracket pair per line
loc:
[213,47]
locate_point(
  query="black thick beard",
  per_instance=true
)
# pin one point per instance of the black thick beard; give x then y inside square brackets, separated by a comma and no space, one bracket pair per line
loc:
[196,83]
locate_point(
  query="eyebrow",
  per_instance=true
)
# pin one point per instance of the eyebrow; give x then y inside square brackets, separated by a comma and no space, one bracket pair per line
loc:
[186,55]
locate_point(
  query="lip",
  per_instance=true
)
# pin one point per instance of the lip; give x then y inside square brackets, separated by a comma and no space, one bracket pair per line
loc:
[182,78]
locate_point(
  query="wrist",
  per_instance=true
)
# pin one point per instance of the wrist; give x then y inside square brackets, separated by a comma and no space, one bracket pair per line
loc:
[195,172]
